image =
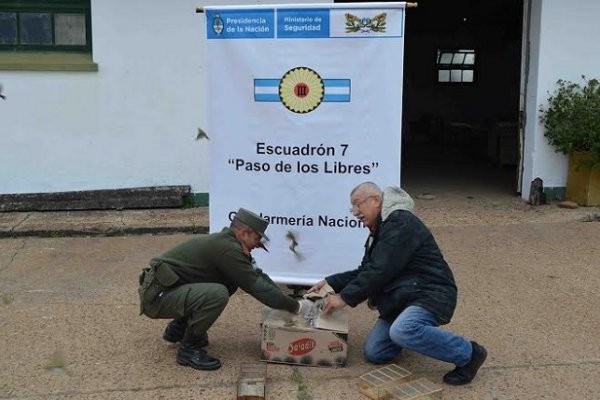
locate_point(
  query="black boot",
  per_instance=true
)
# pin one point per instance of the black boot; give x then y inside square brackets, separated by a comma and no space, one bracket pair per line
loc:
[465,374]
[192,354]
[176,329]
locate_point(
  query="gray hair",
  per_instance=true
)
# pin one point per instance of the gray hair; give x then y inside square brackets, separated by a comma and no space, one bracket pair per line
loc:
[368,188]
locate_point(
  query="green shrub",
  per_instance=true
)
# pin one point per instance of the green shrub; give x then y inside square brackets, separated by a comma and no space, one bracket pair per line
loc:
[572,118]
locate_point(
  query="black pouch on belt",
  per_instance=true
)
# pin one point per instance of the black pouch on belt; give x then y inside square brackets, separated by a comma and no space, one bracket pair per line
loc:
[154,281]
[165,275]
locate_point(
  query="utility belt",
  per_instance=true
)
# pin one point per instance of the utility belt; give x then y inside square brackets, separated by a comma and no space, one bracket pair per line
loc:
[154,281]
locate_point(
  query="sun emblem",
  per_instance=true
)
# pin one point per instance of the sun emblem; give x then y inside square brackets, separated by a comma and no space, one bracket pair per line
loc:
[301,90]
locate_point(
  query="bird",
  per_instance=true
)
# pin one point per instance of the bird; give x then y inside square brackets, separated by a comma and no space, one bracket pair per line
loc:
[3,97]
[293,244]
[202,135]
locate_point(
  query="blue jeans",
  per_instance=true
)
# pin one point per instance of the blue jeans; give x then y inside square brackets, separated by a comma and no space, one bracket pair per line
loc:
[415,329]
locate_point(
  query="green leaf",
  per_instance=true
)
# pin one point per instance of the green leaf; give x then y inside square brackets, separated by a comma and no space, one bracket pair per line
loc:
[571,118]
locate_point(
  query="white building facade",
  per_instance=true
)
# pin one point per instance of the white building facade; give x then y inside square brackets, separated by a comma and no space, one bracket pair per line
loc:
[130,118]
[562,46]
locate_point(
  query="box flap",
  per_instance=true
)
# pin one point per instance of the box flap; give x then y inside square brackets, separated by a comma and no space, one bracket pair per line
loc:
[336,321]
[321,293]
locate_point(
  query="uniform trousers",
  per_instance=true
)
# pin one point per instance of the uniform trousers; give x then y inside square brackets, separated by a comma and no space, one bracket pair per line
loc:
[200,303]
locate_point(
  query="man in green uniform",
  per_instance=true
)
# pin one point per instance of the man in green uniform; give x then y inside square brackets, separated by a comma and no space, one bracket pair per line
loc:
[192,283]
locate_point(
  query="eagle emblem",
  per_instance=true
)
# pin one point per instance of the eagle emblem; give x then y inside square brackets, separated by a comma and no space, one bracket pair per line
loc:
[365,24]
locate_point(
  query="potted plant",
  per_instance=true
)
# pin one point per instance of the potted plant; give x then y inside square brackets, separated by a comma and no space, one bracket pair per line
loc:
[572,125]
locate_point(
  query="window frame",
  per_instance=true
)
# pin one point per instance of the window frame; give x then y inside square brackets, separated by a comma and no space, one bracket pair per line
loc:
[51,7]
[439,66]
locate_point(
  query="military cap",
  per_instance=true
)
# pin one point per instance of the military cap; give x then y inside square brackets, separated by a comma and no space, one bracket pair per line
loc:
[258,224]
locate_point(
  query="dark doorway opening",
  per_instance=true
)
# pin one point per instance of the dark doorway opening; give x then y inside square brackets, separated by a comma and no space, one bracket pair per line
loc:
[462,87]
[462,72]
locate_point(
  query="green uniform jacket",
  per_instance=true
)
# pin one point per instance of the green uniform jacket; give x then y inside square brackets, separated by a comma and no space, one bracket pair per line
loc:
[218,258]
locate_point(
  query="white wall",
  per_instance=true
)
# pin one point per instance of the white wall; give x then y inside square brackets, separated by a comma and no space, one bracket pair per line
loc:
[133,123]
[564,45]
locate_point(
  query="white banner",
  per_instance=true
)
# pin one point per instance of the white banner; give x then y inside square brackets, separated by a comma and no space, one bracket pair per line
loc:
[305,102]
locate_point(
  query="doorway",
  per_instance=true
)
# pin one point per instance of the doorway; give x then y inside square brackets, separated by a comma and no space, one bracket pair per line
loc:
[462,74]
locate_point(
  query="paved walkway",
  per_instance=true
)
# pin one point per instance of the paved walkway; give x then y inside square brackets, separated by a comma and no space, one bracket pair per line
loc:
[528,290]
[449,208]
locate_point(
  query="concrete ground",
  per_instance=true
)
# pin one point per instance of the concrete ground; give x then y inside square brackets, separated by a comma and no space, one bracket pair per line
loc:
[528,282]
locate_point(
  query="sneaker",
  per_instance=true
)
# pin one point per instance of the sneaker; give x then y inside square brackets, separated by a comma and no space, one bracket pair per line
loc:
[465,374]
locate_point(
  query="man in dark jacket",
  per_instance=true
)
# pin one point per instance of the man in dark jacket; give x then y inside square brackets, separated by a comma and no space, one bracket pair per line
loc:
[404,275]
[192,283]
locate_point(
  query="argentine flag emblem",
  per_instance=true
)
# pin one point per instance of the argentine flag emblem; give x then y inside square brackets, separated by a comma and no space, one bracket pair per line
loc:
[302,90]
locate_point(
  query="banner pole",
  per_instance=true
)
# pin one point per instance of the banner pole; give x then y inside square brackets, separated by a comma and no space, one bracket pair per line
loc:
[408,5]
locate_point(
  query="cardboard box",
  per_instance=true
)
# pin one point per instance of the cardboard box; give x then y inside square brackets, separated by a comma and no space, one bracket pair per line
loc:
[294,339]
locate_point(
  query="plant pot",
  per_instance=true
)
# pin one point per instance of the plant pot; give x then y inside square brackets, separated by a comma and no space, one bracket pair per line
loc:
[583,181]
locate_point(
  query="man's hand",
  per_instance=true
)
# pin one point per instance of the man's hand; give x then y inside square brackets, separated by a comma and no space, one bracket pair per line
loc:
[332,303]
[317,286]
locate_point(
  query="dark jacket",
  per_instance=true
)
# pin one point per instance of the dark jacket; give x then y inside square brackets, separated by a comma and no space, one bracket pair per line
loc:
[218,258]
[402,266]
